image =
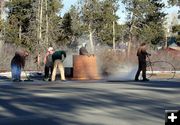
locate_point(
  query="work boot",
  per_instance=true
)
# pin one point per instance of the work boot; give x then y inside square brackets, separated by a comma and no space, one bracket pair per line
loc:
[136,79]
[17,80]
[45,79]
[64,80]
[145,79]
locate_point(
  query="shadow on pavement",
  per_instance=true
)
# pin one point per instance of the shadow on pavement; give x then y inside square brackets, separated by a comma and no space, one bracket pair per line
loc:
[48,105]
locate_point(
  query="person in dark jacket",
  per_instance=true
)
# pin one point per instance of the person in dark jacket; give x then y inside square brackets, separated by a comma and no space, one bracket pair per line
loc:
[17,63]
[83,50]
[142,54]
[58,58]
[48,64]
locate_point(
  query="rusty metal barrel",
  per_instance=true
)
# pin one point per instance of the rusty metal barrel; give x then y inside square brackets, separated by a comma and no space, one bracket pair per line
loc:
[85,67]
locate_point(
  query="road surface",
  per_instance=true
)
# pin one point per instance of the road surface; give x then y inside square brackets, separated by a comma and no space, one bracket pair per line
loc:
[87,102]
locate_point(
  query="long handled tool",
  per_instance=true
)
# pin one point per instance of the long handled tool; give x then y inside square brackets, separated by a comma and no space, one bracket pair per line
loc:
[171,68]
[27,77]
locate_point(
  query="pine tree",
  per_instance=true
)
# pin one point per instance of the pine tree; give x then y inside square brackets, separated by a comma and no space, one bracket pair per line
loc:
[33,23]
[67,25]
[100,19]
[18,20]
[91,17]
[155,20]
[145,21]
[77,26]
[176,28]
[108,28]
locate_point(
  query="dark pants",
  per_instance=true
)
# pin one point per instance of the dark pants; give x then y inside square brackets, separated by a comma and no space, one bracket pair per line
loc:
[141,67]
[46,71]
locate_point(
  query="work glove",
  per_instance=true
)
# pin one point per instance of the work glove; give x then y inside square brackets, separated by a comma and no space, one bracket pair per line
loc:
[148,54]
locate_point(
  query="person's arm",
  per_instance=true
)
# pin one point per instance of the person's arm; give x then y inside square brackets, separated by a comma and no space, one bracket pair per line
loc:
[146,53]
[45,58]
[22,62]
[64,53]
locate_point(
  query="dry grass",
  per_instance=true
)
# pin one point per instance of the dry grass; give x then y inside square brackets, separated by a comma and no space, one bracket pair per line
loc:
[7,54]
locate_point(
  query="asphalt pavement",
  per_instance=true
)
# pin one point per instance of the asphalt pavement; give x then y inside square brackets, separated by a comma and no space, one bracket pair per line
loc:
[87,102]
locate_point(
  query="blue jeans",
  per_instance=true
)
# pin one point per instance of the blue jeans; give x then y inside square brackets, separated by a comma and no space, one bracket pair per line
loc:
[16,72]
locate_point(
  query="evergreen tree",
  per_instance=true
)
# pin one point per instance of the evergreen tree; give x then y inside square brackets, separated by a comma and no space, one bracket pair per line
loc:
[55,20]
[18,21]
[155,20]
[91,17]
[174,2]
[77,25]
[145,20]
[33,23]
[176,28]
[100,19]
[67,25]
[109,21]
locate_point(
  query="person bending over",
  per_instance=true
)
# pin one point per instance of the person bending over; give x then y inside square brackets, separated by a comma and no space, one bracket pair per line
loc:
[17,63]
[58,58]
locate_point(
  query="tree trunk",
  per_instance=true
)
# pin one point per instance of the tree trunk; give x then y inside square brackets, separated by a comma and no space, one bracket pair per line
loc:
[1,43]
[1,3]
[20,32]
[91,38]
[47,25]
[114,38]
[166,42]
[40,22]
[129,45]
[2,28]
[130,38]
[114,35]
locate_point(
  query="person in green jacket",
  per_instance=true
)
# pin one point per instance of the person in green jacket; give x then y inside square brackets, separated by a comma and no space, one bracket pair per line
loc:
[58,57]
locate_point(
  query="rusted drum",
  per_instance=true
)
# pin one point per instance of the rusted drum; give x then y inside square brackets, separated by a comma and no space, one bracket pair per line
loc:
[85,67]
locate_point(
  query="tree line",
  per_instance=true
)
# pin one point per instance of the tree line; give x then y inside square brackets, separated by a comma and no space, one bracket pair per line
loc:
[37,24]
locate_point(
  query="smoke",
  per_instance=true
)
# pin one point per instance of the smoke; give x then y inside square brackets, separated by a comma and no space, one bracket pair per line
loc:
[68,61]
[112,65]
[123,73]
[84,39]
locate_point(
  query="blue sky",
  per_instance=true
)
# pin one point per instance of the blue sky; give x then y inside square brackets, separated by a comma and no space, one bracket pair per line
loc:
[171,11]
[67,4]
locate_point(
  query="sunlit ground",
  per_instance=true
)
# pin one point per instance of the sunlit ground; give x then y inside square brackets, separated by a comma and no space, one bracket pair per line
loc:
[88,102]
